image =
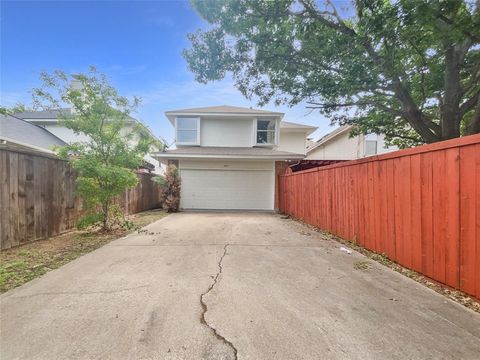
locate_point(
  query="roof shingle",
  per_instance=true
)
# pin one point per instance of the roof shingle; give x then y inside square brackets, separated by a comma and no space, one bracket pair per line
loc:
[223,109]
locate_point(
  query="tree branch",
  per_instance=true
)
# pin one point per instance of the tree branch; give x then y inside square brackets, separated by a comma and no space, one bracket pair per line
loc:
[412,113]
[470,103]
[474,127]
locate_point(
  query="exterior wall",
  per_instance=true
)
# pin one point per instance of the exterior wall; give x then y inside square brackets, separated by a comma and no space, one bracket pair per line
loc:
[342,147]
[382,148]
[281,168]
[226,132]
[69,136]
[65,134]
[294,142]
[225,164]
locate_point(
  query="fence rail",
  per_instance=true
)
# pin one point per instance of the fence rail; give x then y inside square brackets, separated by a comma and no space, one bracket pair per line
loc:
[37,197]
[420,207]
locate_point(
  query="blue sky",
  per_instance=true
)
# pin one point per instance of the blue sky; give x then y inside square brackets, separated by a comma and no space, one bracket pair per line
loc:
[138,44]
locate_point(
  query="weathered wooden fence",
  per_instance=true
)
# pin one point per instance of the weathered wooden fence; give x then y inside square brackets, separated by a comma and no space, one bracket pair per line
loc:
[37,197]
[420,207]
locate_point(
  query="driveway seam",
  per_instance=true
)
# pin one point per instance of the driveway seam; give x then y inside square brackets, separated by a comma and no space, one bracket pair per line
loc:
[205,307]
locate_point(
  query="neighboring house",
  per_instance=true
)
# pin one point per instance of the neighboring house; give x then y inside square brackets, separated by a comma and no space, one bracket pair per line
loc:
[18,134]
[48,119]
[228,157]
[338,145]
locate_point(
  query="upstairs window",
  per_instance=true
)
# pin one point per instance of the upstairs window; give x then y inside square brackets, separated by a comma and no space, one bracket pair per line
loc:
[188,131]
[266,132]
[371,141]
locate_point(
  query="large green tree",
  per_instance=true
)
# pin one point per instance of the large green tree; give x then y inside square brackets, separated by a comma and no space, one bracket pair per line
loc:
[110,147]
[407,68]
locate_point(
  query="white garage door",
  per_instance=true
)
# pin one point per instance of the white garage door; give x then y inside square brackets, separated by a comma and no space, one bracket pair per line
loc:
[227,189]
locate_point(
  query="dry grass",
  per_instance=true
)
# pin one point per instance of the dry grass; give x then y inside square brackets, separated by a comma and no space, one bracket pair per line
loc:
[24,263]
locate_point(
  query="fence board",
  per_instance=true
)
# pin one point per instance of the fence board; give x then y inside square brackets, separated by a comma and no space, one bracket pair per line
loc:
[420,207]
[37,197]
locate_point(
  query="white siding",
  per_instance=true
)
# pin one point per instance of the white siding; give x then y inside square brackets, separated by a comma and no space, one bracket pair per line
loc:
[292,142]
[382,148]
[342,147]
[226,132]
[339,148]
[239,185]
[69,136]
[65,134]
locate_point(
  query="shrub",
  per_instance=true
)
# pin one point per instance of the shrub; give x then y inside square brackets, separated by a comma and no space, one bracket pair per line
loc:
[170,185]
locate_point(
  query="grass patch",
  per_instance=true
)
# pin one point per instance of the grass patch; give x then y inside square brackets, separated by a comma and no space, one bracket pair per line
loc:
[362,265]
[27,262]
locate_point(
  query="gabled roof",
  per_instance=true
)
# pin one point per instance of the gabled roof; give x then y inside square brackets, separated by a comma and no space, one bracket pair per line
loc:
[330,136]
[25,134]
[227,152]
[223,109]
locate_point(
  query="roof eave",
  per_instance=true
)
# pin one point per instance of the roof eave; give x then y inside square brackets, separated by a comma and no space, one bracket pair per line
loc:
[171,115]
[305,130]
[249,157]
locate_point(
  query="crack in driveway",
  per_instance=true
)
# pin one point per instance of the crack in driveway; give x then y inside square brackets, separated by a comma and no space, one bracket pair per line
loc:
[205,307]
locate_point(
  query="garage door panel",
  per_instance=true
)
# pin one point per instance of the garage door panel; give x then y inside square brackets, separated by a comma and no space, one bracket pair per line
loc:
[227,189]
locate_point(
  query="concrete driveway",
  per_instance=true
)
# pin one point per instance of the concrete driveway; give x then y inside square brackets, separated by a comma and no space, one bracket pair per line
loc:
[225,286]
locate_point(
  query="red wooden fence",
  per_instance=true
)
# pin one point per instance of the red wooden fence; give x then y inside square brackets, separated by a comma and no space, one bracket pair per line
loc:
[420,207]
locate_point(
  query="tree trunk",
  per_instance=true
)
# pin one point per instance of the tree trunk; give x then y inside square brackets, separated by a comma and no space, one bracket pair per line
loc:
[105,216]
[450,116]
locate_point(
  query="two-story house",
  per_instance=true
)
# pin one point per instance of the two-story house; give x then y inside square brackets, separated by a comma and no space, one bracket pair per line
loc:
[227,156]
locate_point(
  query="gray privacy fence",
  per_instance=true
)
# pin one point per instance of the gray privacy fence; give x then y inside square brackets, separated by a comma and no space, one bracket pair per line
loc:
[37,197]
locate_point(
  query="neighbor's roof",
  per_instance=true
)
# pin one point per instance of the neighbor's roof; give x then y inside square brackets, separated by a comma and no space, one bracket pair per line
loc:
[223,109]
[329,136]
[49,114]
[25,134]
[42,114]
[227,152]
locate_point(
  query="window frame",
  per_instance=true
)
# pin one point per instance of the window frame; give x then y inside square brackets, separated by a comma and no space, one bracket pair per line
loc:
[370,139]
[197,122]
[275,132]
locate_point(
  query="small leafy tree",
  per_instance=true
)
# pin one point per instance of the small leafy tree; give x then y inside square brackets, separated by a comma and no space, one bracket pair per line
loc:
[18,107]
[170,185]
[106,158]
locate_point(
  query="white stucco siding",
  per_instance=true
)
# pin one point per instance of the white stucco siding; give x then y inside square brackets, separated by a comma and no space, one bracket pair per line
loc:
[235,185]
[69,136]
[226,132]
[65,134]
[342,147]
[382,148]
[292,142]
